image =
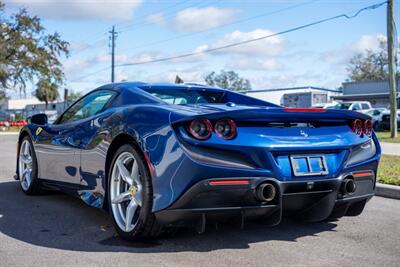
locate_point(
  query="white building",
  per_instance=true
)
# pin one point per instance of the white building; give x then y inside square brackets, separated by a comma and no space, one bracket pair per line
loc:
[376,92]
[18,104]
[278,96]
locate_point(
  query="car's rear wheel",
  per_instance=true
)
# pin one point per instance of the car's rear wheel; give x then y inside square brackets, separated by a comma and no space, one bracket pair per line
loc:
[27,168]
[130,195]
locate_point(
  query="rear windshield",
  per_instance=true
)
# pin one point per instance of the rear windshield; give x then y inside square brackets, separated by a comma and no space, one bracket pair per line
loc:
[188,96]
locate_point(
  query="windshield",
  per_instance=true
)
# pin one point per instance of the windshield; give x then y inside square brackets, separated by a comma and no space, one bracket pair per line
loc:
[184,97]
[340,106]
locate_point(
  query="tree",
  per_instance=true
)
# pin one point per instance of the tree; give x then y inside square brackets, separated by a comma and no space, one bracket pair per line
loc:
[3,95]
[46,91]
[371,65]
[27,52]
[228,80]
[73,96]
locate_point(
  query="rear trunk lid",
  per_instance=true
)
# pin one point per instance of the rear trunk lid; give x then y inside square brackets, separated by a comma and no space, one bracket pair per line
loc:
[278,129]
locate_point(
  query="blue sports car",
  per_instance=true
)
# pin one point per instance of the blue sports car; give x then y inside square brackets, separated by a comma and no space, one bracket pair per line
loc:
[161,156]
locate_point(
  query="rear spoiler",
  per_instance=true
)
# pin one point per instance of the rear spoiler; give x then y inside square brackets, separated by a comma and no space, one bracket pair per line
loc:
[280,115]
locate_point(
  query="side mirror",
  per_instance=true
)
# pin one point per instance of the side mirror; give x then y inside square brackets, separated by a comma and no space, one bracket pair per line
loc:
[39,119]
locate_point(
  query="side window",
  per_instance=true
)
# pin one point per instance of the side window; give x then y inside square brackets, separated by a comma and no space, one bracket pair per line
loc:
[365,106]
[356,107]
[88,106]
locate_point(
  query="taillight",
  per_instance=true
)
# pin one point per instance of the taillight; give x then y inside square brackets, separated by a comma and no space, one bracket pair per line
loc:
[368,128]
[225,129]
[357,127]
[200,128]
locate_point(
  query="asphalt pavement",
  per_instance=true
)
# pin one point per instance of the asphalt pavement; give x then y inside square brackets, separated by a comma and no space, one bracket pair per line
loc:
[59,230]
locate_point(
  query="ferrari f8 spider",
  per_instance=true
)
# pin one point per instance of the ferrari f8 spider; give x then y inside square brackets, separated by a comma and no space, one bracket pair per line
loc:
[158,156]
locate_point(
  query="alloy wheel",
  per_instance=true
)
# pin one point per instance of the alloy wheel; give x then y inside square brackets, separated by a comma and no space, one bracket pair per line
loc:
[126,191]
[25,165]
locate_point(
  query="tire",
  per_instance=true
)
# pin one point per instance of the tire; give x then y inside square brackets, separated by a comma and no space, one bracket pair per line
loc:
[27,168]
[137,195]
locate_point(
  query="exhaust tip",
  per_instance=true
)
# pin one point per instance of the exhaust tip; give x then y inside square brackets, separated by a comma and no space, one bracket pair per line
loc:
[266,192]
[348,185]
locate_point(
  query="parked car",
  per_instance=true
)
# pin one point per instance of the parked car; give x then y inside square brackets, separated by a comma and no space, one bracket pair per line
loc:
[384,123]
[323,105]
[376,115]
[162,155]
[4,115]
[360,106]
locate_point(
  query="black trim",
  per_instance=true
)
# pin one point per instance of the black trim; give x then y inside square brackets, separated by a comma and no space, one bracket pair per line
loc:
[308,200]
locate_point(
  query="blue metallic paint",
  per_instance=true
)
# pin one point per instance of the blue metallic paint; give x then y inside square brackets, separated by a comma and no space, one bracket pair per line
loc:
[76,153]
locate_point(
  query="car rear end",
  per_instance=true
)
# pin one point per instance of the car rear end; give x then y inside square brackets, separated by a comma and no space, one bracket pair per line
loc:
[267,162]
[384,124]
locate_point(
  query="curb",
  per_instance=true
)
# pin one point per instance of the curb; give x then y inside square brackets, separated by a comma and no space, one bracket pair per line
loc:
[389,191]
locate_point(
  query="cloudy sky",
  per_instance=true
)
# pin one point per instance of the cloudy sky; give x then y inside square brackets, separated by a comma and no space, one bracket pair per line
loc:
[155,29]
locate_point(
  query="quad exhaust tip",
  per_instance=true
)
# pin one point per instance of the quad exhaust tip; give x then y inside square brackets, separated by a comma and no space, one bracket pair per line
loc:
[266,192]
[348,185]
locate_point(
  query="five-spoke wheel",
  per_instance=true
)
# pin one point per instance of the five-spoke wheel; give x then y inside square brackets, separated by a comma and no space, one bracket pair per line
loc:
[27,167]
[126,191]
[130,194]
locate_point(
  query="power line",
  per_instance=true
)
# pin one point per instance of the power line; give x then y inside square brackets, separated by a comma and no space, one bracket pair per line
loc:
[222,26]
[89,74]
[371,7]
[91,45]
[100,40]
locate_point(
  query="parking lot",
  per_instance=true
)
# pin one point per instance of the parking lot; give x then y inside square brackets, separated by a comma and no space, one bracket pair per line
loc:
[56,229]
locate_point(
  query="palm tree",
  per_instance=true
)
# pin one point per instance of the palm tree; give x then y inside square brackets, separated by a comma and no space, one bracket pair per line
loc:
[46,91]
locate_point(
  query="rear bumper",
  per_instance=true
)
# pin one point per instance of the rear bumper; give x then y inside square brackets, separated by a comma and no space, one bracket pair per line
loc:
[312,200]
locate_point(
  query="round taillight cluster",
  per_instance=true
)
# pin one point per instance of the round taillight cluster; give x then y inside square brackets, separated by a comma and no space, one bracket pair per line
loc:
[367,127]
[362,127]
[225,128]
[202,128]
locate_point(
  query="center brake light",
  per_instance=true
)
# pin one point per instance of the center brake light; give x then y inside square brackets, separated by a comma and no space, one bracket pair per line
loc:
[304,110]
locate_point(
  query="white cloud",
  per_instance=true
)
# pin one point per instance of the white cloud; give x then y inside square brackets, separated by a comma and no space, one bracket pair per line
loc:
[263,54]
[368,42]
[271,46]
[79,9]
[199,19]
[157,19]
[245,63]
[340,57]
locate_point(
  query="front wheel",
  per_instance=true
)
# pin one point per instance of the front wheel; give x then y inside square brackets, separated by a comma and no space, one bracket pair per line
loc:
[27,168]
[130,195]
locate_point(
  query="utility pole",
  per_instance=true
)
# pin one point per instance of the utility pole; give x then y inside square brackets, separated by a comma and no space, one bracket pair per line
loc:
[392,68]
[112,38]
